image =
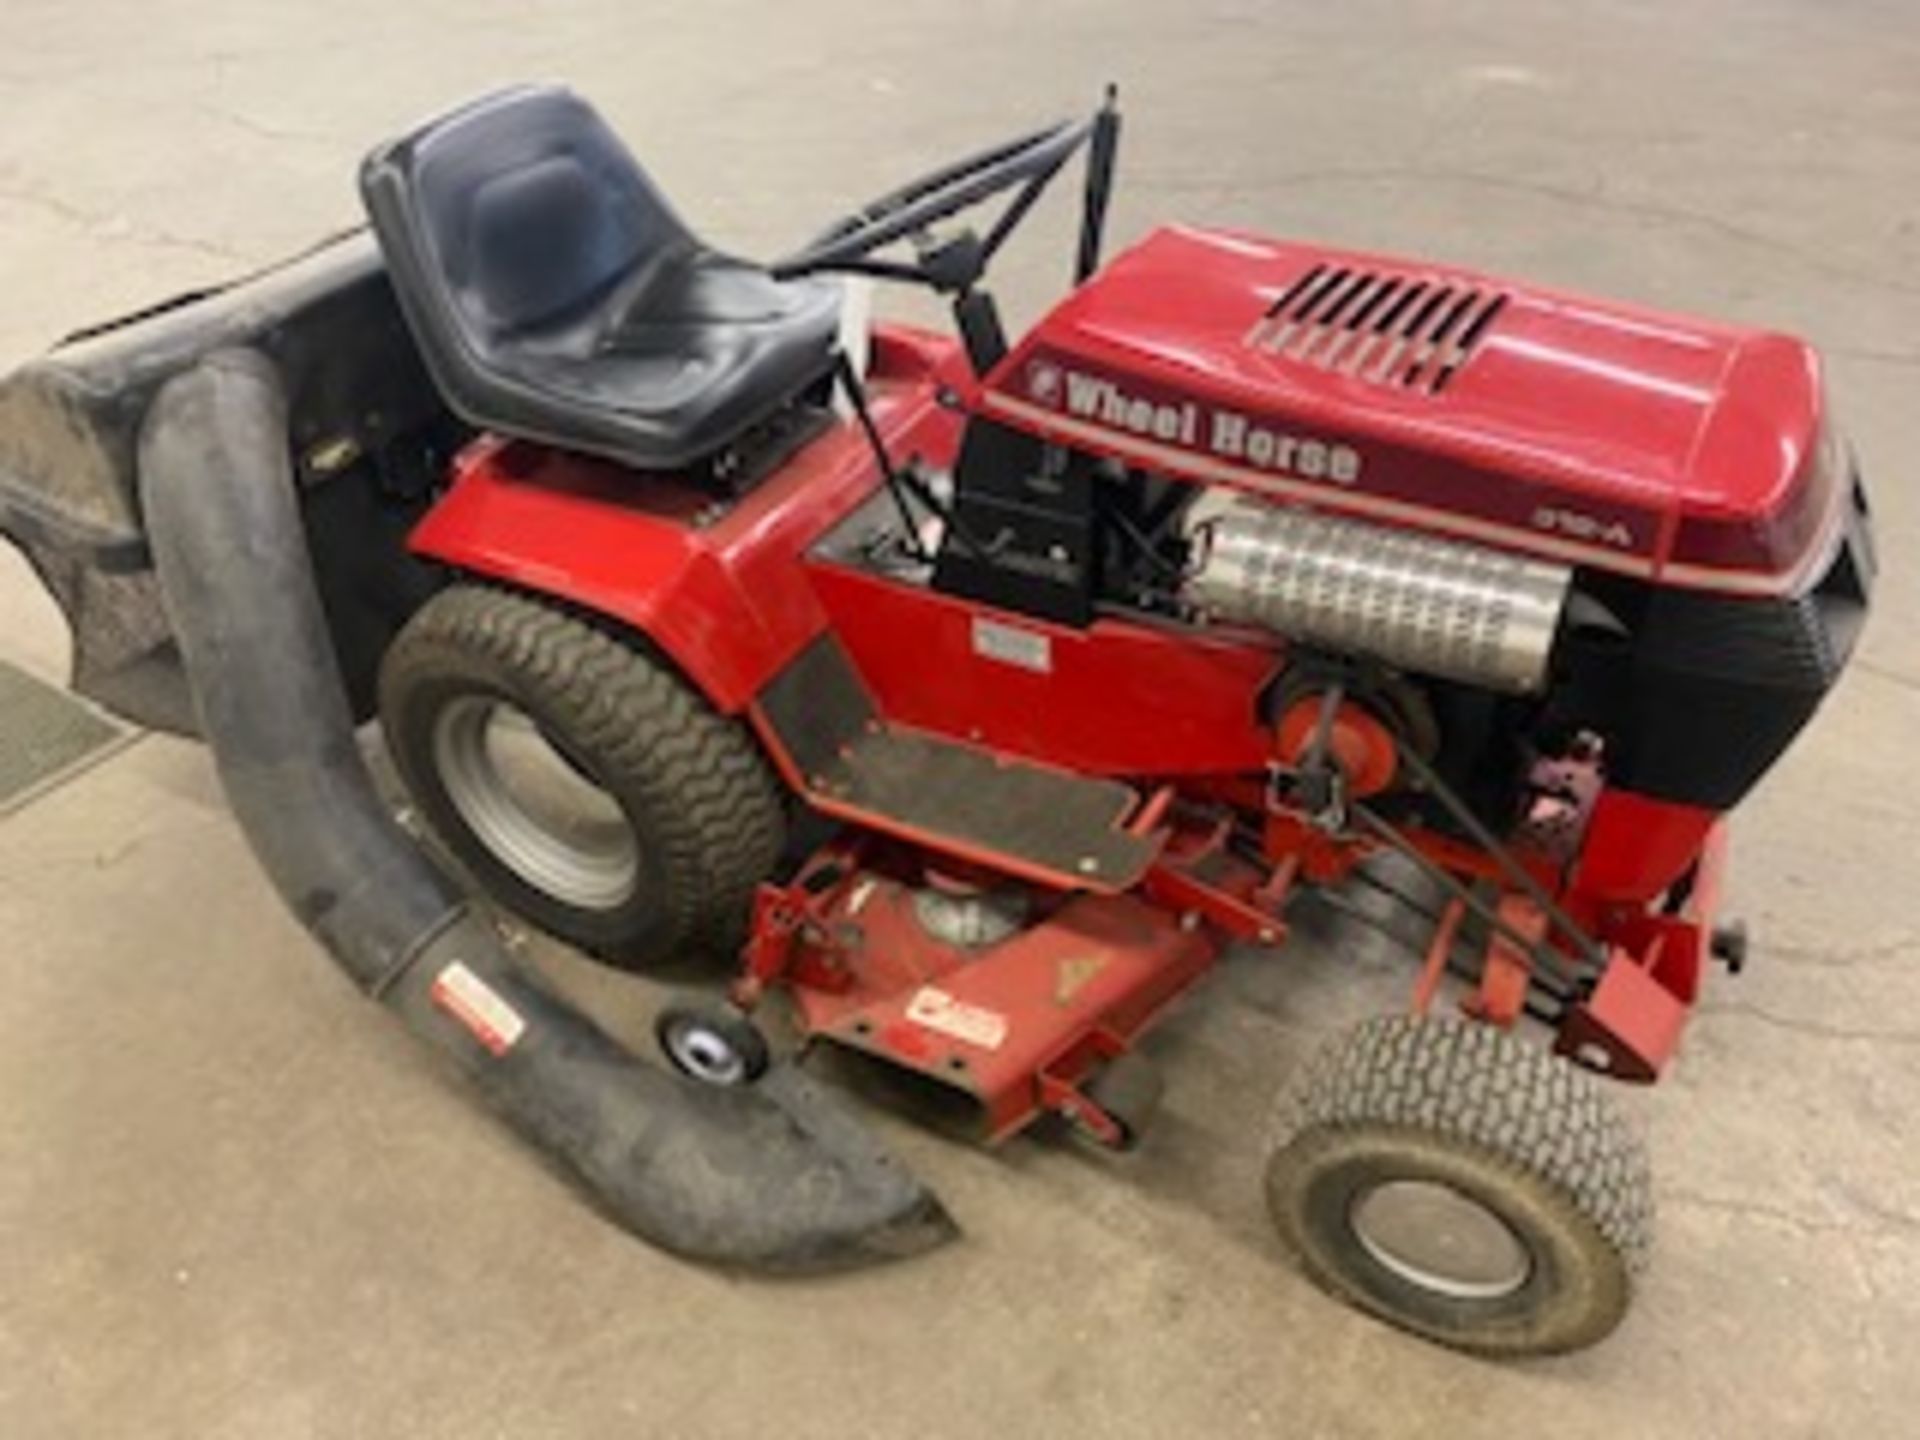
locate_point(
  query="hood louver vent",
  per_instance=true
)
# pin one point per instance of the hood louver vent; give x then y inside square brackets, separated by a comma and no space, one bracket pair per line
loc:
[1409,331]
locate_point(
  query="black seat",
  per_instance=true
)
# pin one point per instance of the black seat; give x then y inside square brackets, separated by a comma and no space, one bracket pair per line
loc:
[555,294]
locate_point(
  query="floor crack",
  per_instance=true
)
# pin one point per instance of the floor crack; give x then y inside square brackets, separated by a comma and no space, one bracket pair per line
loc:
[1875,357]
[240,120]
[1872,1217]
[1817,1028]
[1887,673]
[1594,197]
[105,225]
[1820,958]
[1750,1209]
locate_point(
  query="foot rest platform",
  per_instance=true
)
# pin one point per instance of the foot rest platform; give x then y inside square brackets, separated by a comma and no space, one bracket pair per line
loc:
[1043,824]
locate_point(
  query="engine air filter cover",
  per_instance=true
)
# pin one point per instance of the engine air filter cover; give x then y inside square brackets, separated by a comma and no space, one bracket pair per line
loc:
[1439,607]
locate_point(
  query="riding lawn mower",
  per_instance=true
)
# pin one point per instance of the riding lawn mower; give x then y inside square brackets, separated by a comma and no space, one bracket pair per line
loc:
[966,697]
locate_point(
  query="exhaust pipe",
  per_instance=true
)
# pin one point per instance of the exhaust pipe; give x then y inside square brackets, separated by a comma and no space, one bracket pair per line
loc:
[772,1177]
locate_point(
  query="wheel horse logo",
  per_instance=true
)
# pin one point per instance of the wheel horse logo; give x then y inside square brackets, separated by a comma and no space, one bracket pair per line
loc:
[1044,382]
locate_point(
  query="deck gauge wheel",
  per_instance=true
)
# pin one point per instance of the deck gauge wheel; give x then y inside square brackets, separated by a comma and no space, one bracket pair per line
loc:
[1128,1089]
[713,1043]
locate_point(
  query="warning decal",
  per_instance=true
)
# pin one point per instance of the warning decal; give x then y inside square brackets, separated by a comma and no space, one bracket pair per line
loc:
[1074,974]
[478,1006]
[933,1009]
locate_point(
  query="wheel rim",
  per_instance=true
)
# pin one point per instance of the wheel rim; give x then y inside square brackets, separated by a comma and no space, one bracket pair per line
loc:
[535,811]
[704,1053]
[1431,1235]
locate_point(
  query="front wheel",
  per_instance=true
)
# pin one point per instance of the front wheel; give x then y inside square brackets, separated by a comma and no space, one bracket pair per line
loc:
[582,782]
[1463,1185]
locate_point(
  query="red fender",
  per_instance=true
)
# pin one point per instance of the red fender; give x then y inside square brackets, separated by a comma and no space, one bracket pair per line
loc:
[718,588]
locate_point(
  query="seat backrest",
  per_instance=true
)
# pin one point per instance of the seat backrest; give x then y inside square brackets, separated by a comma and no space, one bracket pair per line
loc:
[510,215]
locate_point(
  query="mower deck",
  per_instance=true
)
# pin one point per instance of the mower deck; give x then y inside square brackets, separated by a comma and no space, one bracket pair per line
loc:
[1018,1026]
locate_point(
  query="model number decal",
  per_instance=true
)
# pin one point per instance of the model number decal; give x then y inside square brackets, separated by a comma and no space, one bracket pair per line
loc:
[1010,645]
[1572,523]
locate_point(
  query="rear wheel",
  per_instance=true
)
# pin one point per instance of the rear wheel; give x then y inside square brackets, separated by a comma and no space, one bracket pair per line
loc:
[1464,1185]
[580,780]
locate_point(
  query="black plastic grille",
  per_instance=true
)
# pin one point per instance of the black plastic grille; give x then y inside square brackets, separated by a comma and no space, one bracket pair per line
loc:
[1415,332]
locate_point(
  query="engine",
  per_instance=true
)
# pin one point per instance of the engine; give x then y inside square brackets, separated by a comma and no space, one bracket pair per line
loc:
[1537,670]
[1525,531]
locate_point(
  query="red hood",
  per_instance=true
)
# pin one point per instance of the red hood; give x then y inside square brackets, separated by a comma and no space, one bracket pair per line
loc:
[1600,433]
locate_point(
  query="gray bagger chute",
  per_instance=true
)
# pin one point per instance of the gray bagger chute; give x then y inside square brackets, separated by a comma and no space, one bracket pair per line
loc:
[775,1176]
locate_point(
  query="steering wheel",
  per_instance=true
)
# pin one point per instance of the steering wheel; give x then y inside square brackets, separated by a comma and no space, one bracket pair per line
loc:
[848,245]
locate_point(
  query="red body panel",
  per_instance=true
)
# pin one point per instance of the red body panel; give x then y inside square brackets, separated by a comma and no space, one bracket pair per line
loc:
[1636,847]
[1598,433]
[1115,699]
[727,600]
[732,602]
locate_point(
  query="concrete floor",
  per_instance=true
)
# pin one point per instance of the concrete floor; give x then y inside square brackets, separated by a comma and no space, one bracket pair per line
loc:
[234,1202]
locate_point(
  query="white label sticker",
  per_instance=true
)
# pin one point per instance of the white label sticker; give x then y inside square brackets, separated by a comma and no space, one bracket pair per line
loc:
[1011,645]
[937,1010]
[478,1006]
